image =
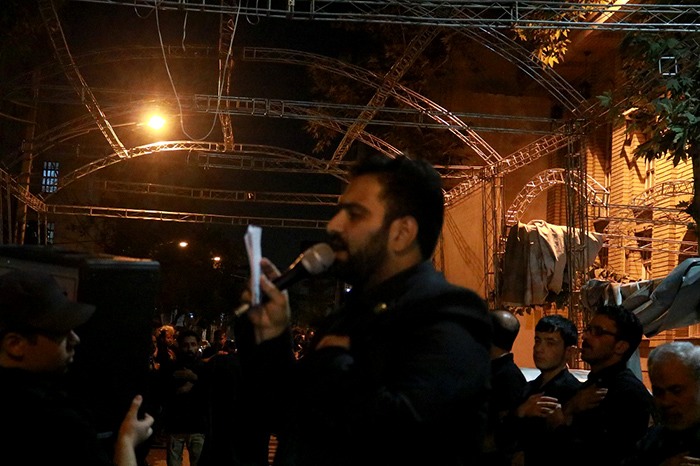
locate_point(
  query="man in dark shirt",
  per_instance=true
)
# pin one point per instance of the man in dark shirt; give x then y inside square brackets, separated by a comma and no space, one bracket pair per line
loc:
[507,385]
[612,410]
[41,424]
[185,402]
[674,371]
[556,340]
[399,375]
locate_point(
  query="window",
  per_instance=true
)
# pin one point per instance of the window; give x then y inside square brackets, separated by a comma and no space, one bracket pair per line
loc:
[49,177]
[50,232]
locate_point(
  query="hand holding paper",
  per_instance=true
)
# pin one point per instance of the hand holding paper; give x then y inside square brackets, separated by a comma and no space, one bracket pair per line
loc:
[252,244]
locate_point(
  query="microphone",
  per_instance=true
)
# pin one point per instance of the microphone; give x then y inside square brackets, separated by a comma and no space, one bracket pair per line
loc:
[314,261]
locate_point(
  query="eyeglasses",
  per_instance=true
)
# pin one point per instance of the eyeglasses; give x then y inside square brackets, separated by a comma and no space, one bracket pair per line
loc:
[597,331]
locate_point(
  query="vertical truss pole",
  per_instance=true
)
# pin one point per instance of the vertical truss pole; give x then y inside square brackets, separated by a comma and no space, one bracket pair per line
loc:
[227,25]
[24,177]
[492,205]
[577,225]
[5,210]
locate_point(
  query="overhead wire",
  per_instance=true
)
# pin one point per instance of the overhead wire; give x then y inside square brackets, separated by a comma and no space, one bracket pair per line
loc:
[220,83]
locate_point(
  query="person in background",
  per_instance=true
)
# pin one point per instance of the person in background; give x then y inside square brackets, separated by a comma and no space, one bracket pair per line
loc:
[399,375]
[166,347]
[185,405]
[674,372]
[612,410]
[218,345]
[556,342]
[507,385]
[226,429]
[162,362]
[42,425]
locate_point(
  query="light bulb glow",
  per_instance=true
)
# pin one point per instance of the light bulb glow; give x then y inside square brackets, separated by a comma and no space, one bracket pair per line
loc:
[156,122]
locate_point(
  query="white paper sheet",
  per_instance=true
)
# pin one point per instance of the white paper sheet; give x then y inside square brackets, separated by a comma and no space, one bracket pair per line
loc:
[252,245]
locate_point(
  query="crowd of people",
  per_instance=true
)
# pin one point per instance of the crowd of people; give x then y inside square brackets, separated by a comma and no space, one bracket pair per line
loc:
[194,390]
[411,370]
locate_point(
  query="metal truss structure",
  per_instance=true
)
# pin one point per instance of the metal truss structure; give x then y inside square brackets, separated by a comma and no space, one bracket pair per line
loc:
[610,16]
[482,22]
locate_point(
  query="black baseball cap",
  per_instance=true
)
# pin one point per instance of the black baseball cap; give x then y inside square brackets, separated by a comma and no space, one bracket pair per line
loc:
[33,300]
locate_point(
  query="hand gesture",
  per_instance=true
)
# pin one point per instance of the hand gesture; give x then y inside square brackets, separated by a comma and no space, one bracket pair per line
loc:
[271,318]
[132,432]
[538,405]
[586,398]
[681,460]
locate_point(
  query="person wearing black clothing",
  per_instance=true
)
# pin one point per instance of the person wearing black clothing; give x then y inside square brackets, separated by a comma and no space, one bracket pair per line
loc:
[612,410]
[42,424]
[507,385]
[399,375]
[556,339]
[218,345]
[224,403]
[674,371]
[185,402]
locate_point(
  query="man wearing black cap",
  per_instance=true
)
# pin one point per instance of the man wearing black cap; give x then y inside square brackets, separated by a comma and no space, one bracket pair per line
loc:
[37,344]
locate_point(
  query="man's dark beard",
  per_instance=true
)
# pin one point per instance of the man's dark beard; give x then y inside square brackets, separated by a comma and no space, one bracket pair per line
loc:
[362,264]
[188,358]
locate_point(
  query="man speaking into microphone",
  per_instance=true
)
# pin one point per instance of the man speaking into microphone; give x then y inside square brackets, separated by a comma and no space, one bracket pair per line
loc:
[397,376]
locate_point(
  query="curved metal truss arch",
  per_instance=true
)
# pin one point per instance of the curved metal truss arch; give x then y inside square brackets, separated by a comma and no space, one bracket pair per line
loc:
[656,206]
[596,194]
[188,146]
[399,92]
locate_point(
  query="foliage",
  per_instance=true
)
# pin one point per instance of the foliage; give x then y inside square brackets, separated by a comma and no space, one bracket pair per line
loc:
[660,99]
[21,29]
[663,88]
[550,45]
[382,48]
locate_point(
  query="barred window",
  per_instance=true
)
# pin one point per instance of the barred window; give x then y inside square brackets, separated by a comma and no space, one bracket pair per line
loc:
[49,177]
[50,232]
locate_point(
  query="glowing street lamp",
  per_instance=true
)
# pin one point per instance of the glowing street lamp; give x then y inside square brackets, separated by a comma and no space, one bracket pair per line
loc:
[156,122]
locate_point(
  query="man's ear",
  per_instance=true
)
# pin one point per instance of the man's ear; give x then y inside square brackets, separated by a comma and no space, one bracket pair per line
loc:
[14,345]
[403,233]
[621,347]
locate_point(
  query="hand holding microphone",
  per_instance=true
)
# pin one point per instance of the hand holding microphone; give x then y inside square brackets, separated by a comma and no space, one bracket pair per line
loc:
[314,261]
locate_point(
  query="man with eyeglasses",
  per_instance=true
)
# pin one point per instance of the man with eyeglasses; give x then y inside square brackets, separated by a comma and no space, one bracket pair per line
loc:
[612,410]
[42,425]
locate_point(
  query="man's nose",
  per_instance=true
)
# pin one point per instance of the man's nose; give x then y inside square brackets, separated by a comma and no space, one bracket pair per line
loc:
[334,224]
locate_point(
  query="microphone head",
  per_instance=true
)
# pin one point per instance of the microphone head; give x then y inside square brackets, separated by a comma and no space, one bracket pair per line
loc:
[318,258]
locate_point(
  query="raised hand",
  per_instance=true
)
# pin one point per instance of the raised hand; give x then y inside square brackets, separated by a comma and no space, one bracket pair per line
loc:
[538,405]
[132,432]
[271,318]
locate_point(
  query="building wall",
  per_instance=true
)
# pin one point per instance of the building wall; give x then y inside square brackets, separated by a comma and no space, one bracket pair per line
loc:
[610,161]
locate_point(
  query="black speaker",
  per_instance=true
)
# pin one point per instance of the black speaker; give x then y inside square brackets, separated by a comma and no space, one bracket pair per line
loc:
[112,361]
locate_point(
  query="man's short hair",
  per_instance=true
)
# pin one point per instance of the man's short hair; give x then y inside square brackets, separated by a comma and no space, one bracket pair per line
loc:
[409,187]
[558,323]
[686,352]
[187,332]
[505,329]
[629,328]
